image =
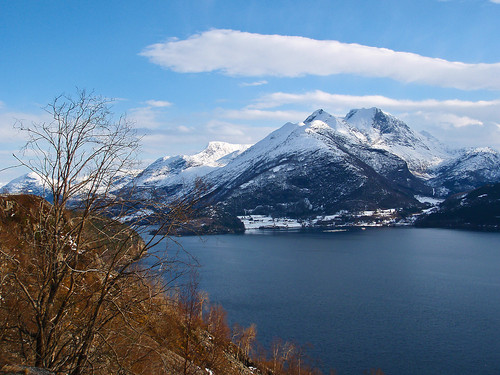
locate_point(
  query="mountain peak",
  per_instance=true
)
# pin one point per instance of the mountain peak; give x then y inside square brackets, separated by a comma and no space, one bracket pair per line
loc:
[369,119]
[365,112]
[320,115]
[29,183]
[364,118]
[215,151]
[184,169]
[217,145]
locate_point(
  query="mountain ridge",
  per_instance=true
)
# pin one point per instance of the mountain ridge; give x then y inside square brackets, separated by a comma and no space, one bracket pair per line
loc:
[367,159]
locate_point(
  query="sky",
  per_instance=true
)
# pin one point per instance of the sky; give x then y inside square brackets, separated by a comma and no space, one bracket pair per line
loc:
[187,72]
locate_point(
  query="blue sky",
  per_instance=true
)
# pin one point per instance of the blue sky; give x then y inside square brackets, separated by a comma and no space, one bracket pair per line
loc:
[187,72]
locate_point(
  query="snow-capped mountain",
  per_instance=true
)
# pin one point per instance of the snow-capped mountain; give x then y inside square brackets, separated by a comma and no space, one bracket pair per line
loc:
[470,169]
[314,166]
[29,183]
[32,183]
[170,172]
[176,172]
[446,170]
[380,130]
[368,159]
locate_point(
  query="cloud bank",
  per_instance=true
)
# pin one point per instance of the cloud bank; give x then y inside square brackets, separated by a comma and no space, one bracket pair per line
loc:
[322,98]
[454,112]
[237,53]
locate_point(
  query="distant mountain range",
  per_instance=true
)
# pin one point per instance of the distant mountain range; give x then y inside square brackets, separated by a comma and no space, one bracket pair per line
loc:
[366,160]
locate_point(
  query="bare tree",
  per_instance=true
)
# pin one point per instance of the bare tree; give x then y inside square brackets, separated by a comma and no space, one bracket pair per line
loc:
[244,338]
[78,287]
[81,151]
[220,335]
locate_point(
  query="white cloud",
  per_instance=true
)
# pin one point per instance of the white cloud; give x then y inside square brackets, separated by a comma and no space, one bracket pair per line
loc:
[158,103]
[495,1]
[173,141]
[339,104]
[151,116]
[224,129]
[455,130]
[262,115]
[145,117]
[458,122]
[239,53]
[184,129]
[446,120]
[256,83]
[10,134]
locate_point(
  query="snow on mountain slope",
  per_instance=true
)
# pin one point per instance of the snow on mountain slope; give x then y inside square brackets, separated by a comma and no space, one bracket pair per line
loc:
[289,141]
[184,169]
[373,128]
[215,154]
[32,183]
[446,170]
[29,183]
[320,134]
[470,169]
[366,159]
[383,131]
[316,166]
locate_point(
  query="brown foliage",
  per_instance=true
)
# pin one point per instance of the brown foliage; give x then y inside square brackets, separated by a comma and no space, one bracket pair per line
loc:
[65,292]
[78,288]
[92,309]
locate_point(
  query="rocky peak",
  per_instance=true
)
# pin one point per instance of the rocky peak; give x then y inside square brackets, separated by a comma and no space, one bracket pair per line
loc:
[318,115]
[368,119]
[215,151]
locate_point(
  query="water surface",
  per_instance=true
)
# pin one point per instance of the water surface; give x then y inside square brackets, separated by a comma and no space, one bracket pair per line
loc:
[408,301]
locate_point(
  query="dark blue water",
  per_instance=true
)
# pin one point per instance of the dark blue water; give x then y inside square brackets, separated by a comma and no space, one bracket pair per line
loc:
[407,301]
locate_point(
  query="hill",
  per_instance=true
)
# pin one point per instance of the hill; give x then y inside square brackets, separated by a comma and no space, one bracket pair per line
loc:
[478,209]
